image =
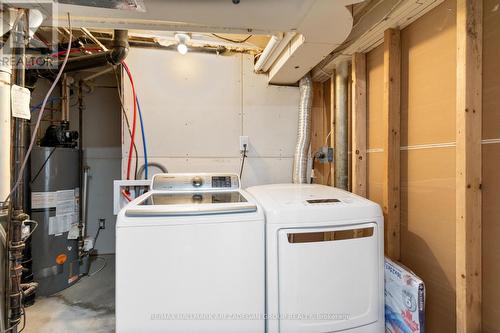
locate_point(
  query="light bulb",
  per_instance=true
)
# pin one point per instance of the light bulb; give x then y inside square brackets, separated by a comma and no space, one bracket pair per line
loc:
[182,48]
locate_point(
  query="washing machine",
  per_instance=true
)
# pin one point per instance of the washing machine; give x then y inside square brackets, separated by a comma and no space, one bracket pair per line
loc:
[325,260]
[190,257]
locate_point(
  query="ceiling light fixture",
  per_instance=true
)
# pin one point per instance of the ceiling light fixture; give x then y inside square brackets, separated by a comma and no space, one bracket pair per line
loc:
[182,40]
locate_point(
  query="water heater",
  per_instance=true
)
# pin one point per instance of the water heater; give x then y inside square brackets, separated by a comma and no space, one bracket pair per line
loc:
[55,204]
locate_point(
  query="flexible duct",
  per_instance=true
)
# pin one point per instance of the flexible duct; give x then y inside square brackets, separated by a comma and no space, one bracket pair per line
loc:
[304,131]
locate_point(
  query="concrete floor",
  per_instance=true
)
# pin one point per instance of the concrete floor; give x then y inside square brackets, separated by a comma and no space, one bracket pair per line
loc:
[86,307]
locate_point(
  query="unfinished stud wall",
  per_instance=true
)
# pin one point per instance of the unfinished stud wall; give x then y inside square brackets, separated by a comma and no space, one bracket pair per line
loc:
[428,89]
[196,106]
[374,127]
[491,167]
[321,129]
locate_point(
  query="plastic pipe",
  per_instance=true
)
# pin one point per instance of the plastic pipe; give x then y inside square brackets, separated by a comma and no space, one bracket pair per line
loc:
[5,138]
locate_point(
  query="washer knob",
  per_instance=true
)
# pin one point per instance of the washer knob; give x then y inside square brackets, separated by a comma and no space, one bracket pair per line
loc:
[197,181]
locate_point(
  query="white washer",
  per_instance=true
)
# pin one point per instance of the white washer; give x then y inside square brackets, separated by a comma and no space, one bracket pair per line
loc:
[190,258]
[325,260]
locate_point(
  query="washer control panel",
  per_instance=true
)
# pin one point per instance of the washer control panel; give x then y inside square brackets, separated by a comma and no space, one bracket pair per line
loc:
[194,182]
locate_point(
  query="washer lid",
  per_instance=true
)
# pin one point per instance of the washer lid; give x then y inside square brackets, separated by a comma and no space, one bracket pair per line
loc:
[181,203]
[311,203]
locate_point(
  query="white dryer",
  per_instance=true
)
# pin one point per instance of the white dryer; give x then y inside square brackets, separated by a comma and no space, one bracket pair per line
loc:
[325,260]
[190,258]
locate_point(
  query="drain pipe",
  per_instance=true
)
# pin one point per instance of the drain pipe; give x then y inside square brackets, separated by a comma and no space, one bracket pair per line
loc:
[341,124]
[304,131]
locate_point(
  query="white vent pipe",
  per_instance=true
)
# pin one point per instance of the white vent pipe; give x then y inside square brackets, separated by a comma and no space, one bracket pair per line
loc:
[273,49]
[304,131]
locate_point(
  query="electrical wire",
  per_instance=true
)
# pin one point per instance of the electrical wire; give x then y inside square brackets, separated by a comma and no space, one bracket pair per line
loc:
[101,268]
[233,40]
[42,109]
[127,122]
[134,119]
[43,166]
[52,99]
[243,159]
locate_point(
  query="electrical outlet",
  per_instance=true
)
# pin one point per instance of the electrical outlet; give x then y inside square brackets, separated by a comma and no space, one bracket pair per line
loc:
[243,142]
[102,223]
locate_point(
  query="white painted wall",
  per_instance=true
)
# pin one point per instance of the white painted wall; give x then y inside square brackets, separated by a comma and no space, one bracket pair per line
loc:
[196,106]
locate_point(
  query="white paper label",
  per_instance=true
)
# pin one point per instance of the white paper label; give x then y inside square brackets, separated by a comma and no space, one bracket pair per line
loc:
[20,98]
[43,199]
[62,223]
[74,231]
[66,203]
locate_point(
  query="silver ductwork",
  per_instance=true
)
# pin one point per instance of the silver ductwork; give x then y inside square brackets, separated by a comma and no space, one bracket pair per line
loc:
[304,131]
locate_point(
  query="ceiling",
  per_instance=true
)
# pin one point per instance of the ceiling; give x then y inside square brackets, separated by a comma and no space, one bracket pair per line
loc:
[320,25]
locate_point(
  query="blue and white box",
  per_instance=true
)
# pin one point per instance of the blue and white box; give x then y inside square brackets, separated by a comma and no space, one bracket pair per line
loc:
[404,299]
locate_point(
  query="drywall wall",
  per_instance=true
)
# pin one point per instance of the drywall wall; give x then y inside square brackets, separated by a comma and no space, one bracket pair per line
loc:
[428,87]
[196,106]
[491,170]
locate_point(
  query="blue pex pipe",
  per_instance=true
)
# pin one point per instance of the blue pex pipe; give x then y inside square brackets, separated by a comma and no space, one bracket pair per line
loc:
[143,139]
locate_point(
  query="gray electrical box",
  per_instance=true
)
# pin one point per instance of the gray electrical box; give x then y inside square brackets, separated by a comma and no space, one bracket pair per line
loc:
[325,155]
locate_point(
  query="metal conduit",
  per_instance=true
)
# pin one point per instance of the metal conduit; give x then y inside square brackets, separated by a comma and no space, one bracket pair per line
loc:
[341,124]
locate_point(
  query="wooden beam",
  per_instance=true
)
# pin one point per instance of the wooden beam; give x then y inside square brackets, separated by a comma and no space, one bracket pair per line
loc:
[391,120]
[359,124]
[332,125]
[468,165]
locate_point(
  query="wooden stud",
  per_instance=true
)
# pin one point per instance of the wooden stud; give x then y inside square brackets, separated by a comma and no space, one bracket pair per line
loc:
[391,120]
[359,124]
[332,126]
[468,165]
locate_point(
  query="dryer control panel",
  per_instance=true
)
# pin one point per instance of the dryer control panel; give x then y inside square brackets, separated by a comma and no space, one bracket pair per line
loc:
[195,181]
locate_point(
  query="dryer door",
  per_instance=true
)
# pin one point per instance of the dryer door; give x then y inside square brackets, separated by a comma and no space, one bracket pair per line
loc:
[328,278]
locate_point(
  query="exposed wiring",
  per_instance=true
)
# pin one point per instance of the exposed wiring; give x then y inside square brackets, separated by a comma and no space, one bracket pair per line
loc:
[74,50]
[42,109]
[36,107]
[134,119]
[328,136]
[100,268]
[233,40]
[243,159]
[312,169]
[127,122]
[43,166]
